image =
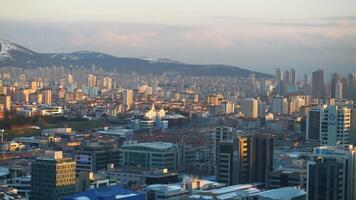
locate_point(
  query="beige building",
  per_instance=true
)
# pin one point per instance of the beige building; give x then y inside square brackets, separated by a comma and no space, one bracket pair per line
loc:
[249,107]
[5,100]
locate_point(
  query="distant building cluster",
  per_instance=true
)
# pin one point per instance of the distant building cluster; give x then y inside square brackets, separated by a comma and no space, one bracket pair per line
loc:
[79,133]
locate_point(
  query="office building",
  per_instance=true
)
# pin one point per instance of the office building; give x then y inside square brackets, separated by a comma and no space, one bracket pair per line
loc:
[244,159]
[328,174]
[94,157]
[313,124]
[286,178]
[318,84]
[155,155]
[249,107]
[52,176]
[331,125]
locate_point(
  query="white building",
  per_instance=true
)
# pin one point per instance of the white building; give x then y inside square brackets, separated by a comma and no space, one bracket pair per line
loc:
[331,123]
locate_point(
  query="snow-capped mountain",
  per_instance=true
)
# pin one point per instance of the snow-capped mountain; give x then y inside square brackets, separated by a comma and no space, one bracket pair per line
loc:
[9,50]
[14,55]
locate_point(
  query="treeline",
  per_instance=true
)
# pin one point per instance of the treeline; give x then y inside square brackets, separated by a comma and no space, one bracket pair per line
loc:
[14,120]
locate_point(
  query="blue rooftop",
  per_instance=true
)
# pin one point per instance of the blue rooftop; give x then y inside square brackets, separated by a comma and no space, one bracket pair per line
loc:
[106,193]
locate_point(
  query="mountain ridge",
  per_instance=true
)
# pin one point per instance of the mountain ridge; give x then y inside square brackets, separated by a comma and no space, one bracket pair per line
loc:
[14,55]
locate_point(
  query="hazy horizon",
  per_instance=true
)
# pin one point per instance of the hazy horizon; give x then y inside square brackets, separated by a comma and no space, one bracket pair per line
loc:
[305,35]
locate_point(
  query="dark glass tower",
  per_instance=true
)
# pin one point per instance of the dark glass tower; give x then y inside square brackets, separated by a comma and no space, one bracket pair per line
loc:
[245,159]
[318,84]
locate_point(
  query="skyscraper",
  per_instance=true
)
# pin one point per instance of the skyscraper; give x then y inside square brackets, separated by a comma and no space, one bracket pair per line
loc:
[244,159]
[52,176]
[306,79]
[318,84]
[286,76]
[278,75]
[335,79]
[328,174]
[292,76]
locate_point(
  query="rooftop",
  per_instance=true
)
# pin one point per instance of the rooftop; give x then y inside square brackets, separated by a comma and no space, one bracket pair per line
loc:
[112,192]
[152,145]
[164,188]
[282,193]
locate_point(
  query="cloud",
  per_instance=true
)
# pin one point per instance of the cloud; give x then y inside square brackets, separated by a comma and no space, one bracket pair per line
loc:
[208,37]
[127,39]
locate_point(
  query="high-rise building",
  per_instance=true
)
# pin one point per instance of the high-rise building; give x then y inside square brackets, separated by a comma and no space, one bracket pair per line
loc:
[213,100]
[128,99]
[278,75]
[333,127]
[70,79]
[5,100]
[228,107]
[52,176]
[249,107]
[352,174]
[279,105]
[318,84]
[306,79]
[339,89]
[353,127]
[335,79]
[286,76]
[328,174]
[107,83]
[46,96]
[91,80]
[244,159]
[292,77]
[313,124]
[35,98]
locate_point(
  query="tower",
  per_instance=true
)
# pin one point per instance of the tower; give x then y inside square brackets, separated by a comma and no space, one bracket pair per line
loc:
[318,84]
[244,159]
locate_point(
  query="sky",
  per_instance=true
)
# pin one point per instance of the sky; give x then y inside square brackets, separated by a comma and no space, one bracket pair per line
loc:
[255,34]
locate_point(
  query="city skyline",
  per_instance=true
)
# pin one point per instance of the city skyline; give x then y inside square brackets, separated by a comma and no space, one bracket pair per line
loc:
[258,36]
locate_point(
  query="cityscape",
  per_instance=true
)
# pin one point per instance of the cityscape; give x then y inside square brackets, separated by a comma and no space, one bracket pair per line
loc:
[86,122]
